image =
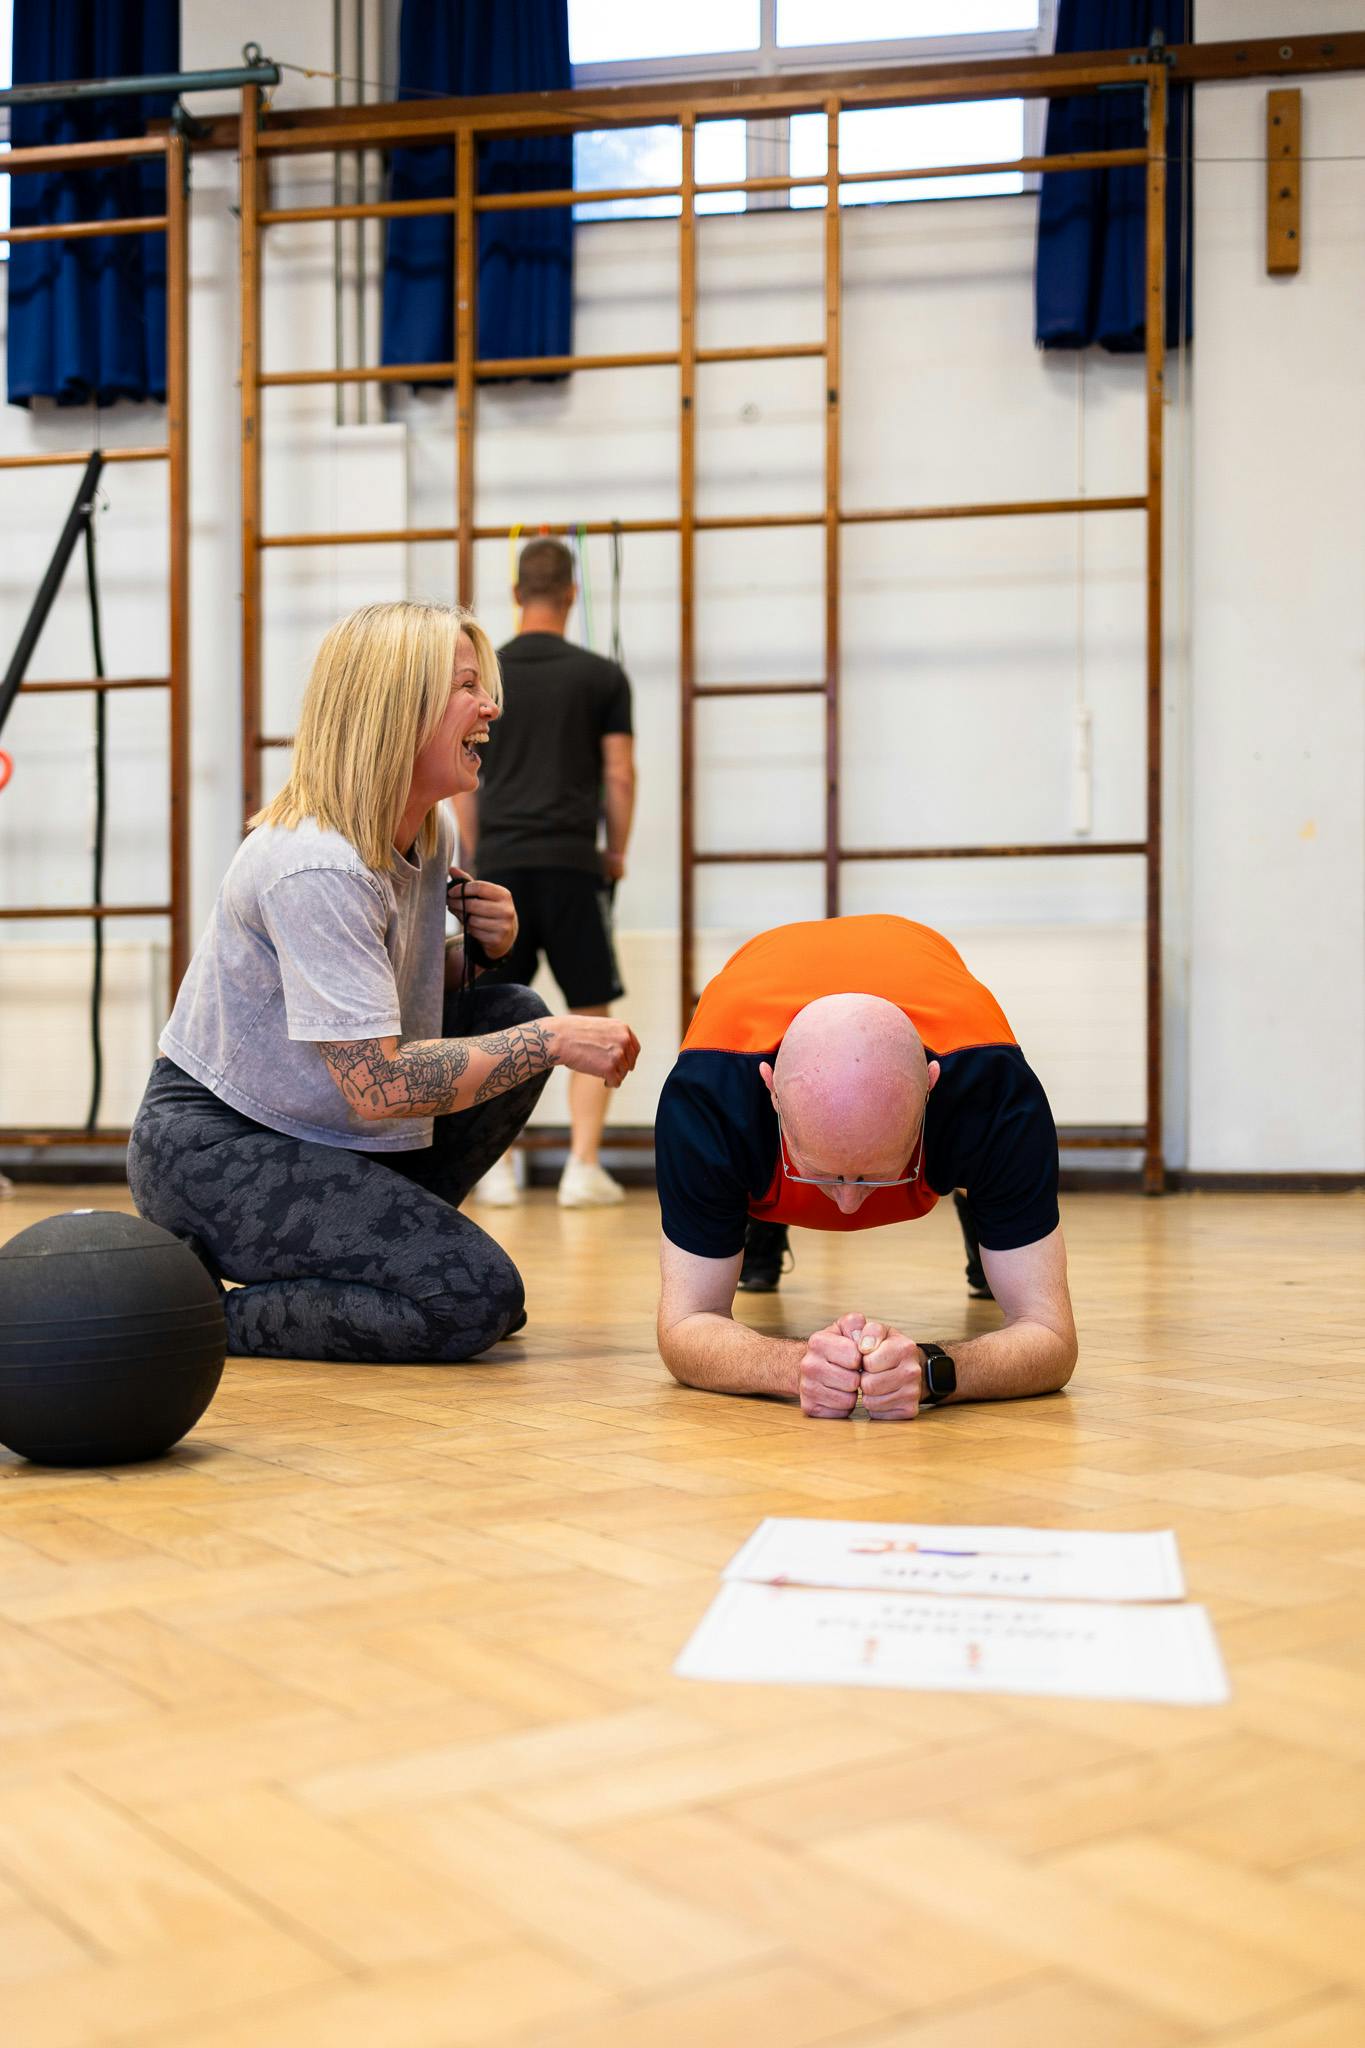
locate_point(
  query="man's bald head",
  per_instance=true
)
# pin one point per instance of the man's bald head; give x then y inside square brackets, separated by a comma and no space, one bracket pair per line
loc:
[850,1083]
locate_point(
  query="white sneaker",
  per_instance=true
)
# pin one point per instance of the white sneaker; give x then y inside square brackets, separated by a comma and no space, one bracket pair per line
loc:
[498,1189]
[588,1187]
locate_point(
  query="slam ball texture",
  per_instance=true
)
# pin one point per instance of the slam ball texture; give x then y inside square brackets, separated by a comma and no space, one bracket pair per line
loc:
[112,1340]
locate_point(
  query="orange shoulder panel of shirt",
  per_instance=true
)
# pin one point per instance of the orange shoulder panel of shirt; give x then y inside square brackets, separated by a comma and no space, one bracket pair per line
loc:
[748,1006]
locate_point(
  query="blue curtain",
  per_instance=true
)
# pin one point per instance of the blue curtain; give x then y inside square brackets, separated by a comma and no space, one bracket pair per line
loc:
[88,319]
[525,260]
[1090,283]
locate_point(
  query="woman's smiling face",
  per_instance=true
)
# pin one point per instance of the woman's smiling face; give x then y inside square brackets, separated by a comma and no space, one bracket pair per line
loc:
[448,765]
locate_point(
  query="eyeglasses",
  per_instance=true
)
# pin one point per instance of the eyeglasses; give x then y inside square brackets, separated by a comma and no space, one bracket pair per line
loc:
[838,1180]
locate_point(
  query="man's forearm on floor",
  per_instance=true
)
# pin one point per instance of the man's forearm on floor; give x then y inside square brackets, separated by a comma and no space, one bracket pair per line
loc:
[1023,1358]
[720,1356]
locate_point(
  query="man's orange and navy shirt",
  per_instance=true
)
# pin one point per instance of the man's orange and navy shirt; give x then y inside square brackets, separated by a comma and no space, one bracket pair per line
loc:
[988,1127]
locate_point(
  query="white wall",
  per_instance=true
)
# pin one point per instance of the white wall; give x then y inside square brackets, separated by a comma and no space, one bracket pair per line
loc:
[1277,740]
[966,646]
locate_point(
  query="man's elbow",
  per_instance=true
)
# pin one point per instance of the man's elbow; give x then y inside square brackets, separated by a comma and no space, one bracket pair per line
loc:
[674,1353]
[1063,1363]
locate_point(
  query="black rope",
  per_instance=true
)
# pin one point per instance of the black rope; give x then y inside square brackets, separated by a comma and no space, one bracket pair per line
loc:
[472,958]
[617,651]
[101,781]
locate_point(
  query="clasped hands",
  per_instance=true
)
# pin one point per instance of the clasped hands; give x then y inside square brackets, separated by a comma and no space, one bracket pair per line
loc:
[859,1357]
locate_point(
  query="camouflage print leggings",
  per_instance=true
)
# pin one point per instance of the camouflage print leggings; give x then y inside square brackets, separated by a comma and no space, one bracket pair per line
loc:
[357,1256]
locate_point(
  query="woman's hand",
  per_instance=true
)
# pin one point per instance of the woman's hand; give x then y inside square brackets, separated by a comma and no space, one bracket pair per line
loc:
[485,910]
[600,1046]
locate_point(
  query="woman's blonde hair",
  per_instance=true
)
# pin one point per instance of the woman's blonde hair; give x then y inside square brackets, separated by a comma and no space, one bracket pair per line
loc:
[379,687]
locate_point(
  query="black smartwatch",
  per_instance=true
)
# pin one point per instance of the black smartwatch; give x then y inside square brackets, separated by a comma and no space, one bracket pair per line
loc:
[940,1375]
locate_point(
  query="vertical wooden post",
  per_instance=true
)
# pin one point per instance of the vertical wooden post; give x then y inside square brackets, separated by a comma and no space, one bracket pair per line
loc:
[251,178]
[833,287]
[1154,1167]
[178,506]
[466,290]
[1283,182]
[687,657]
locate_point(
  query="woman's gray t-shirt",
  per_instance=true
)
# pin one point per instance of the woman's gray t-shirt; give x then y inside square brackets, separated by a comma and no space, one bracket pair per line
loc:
[307,943]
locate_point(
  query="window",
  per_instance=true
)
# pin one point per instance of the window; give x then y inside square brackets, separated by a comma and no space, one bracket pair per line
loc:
[886,21]
[619,42]
[622,31]
[898,138]
[604,157]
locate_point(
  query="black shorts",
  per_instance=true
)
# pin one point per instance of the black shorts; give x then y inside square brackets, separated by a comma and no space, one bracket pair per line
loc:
[564,913]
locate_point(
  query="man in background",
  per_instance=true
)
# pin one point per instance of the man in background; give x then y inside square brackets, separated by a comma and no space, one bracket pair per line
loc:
[559,763]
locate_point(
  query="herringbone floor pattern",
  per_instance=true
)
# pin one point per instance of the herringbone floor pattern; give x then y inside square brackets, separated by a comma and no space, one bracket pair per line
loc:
[353,1723]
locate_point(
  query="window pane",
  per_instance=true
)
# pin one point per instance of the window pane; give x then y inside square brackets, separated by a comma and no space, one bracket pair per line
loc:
[626,156]
[863,21]
[720,154]
[895,138]
[603,157]
[614,31]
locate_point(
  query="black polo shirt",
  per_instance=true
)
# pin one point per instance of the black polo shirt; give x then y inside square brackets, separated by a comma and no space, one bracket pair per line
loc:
[540,790]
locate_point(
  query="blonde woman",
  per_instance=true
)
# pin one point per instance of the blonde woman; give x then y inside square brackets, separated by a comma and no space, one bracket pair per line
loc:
[332,1080]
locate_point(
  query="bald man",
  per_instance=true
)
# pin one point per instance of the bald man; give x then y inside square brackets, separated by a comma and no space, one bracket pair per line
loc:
[840,1076]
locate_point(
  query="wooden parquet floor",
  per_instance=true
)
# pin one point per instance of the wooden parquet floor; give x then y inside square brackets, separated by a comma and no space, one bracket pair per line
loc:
[353,1722]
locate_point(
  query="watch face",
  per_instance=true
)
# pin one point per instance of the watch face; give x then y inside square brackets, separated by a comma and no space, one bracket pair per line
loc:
[940,1373]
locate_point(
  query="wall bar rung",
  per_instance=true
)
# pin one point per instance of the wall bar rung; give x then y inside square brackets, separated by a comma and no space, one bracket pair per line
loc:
[533,530]
[1097,849]
[402,123]
[69,458]
[360,209]
[98,686]
[81,156]
[1086,849]
[86,230]
[39,913]
[759,690]
[731,522]
[521,202]
[771,352]
[562,195]
[1080,160]
[489,370]
[553,366]
[719,523]
[409,535]
[725,860]
[378,373]
[1023,508]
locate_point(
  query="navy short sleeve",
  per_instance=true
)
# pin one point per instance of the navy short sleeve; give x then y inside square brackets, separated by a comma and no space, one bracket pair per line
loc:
[991,1132]
[715,1144]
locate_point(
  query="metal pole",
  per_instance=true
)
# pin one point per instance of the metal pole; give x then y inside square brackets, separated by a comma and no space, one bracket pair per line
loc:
[687,656]
[466,346]
[1154,1166]
[832,496]
[250,205]
[178,505]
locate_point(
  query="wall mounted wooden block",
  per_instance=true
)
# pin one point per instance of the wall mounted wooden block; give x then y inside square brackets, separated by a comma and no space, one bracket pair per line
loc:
[1283,227]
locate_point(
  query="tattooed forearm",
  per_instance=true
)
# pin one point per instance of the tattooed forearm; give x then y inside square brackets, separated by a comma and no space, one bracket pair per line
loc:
[526,1051]
[381,1078]
[413,1080]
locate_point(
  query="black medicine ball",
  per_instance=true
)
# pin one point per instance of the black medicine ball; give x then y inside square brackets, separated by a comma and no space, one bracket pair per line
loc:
[112,1340]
